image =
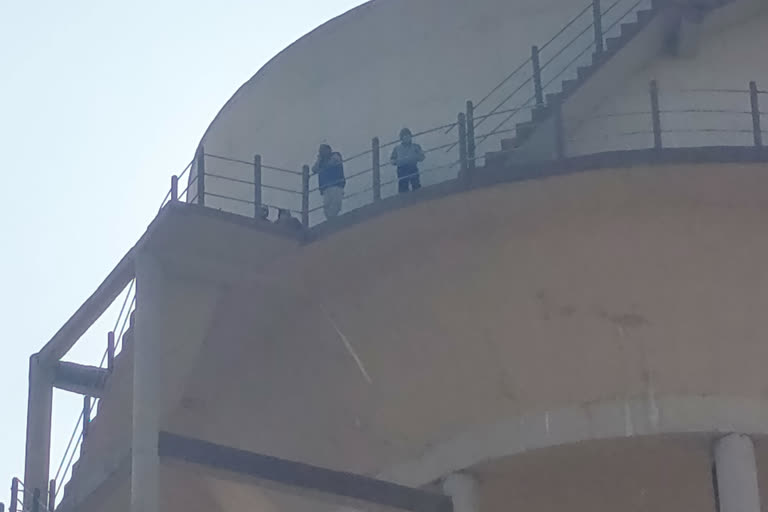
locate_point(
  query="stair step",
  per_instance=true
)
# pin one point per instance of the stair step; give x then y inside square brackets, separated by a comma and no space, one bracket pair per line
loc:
[629,29]
[509,144]
[495,158]
[599,58]
[524,130]
[613,43]
[540,112]
[553,97]
[584,71]
[569,86]
[644,16]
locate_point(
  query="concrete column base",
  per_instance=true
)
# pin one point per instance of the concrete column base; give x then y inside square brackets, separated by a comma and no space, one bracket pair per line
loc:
[462,488]
[736,474]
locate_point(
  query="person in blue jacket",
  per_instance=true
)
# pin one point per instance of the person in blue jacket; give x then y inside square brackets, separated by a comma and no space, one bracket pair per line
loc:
[329,168]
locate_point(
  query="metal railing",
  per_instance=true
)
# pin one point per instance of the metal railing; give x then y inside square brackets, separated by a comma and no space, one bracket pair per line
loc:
[29,500]
[680,118]
[76,443]
[212,185]
[529,85]
[370,179]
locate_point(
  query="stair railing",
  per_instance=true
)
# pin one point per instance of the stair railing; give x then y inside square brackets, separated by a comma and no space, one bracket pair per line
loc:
[536,80]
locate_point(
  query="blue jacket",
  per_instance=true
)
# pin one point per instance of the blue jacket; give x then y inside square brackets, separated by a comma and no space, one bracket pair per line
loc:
[330,173]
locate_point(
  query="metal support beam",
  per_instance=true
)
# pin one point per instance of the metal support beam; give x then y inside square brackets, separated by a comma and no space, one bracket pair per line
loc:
[754,100]
[80,379]
[90,311]
[39,407]
[299,476]
[655,115]
[597,22]
[537,87]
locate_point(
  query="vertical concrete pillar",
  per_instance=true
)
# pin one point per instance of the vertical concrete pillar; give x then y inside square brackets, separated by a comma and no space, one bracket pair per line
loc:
[38,449]
[736,474]
[462,488]
[147,391]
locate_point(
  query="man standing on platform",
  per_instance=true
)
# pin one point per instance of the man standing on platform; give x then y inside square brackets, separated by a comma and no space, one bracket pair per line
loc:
[406,157]
[329,168]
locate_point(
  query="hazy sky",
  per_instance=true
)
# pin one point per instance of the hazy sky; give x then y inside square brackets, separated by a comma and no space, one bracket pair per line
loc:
[100,103]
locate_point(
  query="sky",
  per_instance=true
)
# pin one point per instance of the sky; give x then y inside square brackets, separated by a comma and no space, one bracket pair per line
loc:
[100,103]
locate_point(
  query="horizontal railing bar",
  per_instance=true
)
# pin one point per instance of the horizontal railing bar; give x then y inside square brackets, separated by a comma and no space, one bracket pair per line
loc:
[500,113]
[353,157]
[560,52]
[227,178]
[333,184]
[696,90]
[212,194]
[280,169]
[437,148]
[567,26]
[281,189]
[278,208]
[228,159]
[703,111]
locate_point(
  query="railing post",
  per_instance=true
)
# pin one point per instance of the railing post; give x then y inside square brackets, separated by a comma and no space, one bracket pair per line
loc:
[14,495]
[470,120]
[51,495]
[376,157]
[462,122]
[86,420]
[36,500]
[305,196]
[174,188]
[754,99]
[557,114]
[538,89]
[597,16]
[257,186]
[2,507]
[201,176]
[111,350]
[655,115]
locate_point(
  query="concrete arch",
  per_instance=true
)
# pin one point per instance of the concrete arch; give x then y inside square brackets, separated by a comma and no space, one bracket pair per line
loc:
[609,419]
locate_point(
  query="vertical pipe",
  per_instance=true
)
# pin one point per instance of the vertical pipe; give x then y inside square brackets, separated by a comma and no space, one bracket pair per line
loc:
[36,500]
[51,495]
[39,411]
[376,157]
[655,115]
[462,122]
[755,101]
[201,176]
[174,188]
[111,350]
[597,17]
[86,420]
[305,196]
[14,495]
[559,130]
[470,119]
[538,89]
[257,186]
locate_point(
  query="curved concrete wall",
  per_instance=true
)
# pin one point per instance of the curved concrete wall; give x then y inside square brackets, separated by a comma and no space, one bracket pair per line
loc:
[626,287]
[727,59]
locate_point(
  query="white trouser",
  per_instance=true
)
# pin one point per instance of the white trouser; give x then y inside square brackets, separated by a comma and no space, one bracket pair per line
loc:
[332,197]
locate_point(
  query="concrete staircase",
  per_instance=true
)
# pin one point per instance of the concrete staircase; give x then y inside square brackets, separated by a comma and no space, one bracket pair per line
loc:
[638,41]
[104,450]
[544,112]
